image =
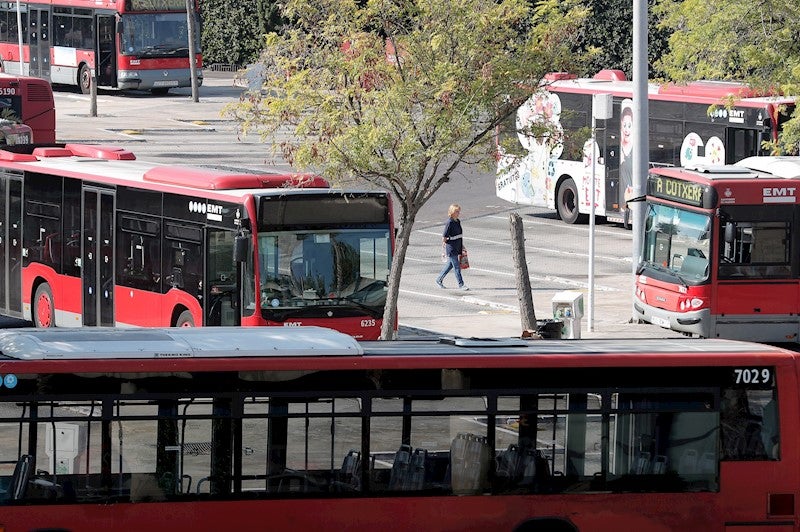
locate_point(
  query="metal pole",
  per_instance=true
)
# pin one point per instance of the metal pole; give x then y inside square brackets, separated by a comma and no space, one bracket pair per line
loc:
[641,138]
[92,92]
[19,37]
[602,109]
[593,200]
[190,30]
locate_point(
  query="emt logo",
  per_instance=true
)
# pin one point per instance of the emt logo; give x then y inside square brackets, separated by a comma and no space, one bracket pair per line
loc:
[779,194]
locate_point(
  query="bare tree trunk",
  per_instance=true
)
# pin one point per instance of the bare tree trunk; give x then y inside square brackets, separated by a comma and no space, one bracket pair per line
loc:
[527,313]
[401,242]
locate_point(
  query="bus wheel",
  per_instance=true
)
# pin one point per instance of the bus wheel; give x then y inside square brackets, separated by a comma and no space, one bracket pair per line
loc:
[185,319]
[44,313]
[85,80]
[567,202]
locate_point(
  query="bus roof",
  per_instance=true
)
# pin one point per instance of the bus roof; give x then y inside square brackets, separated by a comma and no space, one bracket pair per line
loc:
[117,166]
[765,167]
[786,167]
[270,343]
[703,91]
[87,344]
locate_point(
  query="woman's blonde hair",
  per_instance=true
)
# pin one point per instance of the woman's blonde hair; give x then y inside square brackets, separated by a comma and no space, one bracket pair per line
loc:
[453,208]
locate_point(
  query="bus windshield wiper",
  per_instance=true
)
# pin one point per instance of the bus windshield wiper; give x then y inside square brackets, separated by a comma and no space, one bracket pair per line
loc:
[661,269]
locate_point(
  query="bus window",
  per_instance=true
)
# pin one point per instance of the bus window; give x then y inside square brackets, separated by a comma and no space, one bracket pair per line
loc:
[221,274]
[755,249]
[749,425]
[138,253]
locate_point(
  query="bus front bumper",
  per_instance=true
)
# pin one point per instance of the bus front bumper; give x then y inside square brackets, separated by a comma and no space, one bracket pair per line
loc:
[697,322]
[156,79]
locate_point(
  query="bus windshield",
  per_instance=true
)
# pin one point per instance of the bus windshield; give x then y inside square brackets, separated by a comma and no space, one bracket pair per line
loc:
[677,243]
[150,35]
[305,272]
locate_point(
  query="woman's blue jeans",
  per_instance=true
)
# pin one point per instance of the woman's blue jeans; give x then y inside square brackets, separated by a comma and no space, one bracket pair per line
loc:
[451,264]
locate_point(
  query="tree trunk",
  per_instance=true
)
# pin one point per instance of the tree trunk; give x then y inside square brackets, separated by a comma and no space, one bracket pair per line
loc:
[401,242]
[527,313]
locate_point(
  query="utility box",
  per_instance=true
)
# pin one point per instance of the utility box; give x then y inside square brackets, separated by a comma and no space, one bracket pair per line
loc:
[568,307]
[70,439]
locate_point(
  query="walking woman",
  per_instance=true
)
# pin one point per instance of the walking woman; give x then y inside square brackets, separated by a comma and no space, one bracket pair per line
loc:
[453,246]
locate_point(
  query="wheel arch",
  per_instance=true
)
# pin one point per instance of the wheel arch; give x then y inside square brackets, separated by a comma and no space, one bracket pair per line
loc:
[561,182]
[179,309]
[37,282]
[546,524]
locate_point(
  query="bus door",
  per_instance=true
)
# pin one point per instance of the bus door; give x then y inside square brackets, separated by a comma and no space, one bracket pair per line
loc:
[11,245]
[39,40]
[221,299]
[106,51]
[741,143]
[98,257]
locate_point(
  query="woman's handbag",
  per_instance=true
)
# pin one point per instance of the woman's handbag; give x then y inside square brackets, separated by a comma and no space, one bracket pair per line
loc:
[463,260]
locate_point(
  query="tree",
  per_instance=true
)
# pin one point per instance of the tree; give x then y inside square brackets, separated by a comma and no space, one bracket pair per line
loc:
[733,40]
[523,281]
[609,34]
[401,94]
[233,31]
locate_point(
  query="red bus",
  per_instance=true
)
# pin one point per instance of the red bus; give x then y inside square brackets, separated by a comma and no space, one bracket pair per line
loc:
[704,122]
[131,44]
[27,101]
[91,236]
[720,257]
[307,429]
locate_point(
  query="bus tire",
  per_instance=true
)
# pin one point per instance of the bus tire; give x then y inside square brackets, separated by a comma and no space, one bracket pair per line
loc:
[84,79]
[185,319]
[567,202]
[44,312]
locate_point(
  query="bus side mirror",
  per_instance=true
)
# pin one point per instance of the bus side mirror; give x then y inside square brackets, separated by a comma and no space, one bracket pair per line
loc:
[119,27]
[241,245]
[730,233]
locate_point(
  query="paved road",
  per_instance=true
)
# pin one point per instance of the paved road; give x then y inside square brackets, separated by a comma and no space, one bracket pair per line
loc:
[175,130]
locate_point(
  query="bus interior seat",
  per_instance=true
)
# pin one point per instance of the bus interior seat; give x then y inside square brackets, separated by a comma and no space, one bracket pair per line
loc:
[415,480]
[507,462]
[349,476]
[18,485]
[660,464]
[469,463]
[402,460]
[408,469]
[642,464]
[687,464]
[707,463]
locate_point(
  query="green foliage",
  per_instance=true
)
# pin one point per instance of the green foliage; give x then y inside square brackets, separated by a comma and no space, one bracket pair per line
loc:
[403,123]
[233,31]
[733,40]
[609,38]
[401,93]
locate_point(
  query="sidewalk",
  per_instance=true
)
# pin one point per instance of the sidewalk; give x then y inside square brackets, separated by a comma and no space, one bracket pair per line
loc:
[507,324]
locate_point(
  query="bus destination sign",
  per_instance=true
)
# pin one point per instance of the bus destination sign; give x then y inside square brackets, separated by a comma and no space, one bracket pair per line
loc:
[685,192]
